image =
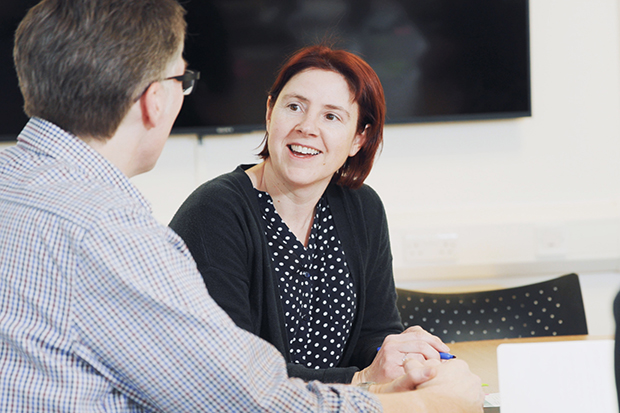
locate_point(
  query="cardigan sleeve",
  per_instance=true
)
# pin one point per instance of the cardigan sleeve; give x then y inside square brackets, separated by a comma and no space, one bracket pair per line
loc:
[368,237]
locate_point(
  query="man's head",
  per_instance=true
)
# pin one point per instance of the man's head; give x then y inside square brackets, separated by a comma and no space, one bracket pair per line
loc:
[82,64]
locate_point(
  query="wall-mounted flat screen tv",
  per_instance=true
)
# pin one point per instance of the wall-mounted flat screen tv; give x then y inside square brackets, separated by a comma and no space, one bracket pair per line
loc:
[438,60]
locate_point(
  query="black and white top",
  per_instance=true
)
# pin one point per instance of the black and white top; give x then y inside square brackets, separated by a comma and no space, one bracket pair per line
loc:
[316,290]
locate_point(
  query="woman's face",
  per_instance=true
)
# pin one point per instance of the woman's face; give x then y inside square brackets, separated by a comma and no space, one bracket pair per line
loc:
[312,128]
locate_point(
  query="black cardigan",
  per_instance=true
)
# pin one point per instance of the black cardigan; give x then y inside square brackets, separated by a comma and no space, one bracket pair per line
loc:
[221,224]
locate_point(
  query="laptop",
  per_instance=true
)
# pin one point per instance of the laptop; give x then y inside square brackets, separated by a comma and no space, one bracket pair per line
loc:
[559,376]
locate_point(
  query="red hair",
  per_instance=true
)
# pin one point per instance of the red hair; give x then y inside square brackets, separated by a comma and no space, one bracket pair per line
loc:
[367,92]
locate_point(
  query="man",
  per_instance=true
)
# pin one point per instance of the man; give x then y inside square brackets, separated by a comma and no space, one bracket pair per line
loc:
[102,308]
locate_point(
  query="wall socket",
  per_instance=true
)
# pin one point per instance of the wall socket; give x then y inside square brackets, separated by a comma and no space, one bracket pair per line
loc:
[422,248]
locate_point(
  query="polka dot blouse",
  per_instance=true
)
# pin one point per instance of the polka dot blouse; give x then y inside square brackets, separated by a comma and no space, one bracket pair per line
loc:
[316,290]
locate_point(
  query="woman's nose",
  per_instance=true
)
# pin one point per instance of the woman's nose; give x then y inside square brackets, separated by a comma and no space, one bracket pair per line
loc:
[308,125]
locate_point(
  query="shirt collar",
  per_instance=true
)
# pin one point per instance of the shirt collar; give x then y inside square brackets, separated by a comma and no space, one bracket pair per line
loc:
[50,140]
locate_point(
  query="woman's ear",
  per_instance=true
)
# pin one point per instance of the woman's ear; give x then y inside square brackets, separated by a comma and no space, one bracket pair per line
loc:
[268,111]
[358,141]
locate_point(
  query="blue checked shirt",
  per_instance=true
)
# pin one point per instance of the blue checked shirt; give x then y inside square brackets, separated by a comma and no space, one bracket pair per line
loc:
[102,308]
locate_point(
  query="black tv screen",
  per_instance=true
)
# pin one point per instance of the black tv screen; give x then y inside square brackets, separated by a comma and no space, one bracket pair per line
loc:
[438,60]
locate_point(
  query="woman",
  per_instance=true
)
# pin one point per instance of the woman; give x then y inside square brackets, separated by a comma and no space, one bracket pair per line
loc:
[296,249]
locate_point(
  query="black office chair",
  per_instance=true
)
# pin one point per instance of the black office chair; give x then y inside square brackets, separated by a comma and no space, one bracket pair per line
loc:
[549,308]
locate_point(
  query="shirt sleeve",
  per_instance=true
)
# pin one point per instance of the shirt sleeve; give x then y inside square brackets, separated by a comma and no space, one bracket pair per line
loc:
[143,319]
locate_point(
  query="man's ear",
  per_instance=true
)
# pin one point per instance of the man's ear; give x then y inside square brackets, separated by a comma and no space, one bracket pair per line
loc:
[358,142]
[152,105]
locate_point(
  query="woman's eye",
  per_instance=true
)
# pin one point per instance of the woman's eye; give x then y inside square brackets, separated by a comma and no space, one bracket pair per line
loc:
[293,106]
[331,116]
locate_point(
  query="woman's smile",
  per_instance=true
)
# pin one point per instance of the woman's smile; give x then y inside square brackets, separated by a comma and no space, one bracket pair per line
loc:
[303,151]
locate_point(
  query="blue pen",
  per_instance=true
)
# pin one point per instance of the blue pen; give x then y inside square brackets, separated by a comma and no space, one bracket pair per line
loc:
[446,356]
[442,355]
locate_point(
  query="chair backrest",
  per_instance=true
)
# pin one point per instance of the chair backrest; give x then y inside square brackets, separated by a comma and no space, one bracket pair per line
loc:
[549,308]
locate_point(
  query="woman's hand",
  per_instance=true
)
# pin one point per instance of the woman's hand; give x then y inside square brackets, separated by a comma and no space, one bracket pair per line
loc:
[414,343]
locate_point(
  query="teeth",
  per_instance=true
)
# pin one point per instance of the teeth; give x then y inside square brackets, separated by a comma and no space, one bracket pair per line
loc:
[304,150]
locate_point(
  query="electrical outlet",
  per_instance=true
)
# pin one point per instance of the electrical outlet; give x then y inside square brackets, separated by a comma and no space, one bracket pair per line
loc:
[440,247]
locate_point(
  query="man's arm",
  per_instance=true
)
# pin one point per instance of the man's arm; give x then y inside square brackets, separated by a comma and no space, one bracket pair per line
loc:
[144,320]
[440,387]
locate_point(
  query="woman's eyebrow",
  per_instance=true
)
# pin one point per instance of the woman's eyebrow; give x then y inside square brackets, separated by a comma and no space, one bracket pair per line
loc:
[295,96]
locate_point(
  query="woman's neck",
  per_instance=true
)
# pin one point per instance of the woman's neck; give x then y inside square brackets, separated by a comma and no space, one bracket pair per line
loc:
[296,206]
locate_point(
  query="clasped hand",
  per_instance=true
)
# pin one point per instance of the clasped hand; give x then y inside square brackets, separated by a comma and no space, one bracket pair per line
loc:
[414,343]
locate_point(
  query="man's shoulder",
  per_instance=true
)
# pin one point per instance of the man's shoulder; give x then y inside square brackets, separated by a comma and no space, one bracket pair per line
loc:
[57,188]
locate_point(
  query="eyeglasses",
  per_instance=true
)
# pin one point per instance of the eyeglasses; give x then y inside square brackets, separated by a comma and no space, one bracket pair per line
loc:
[188,80]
